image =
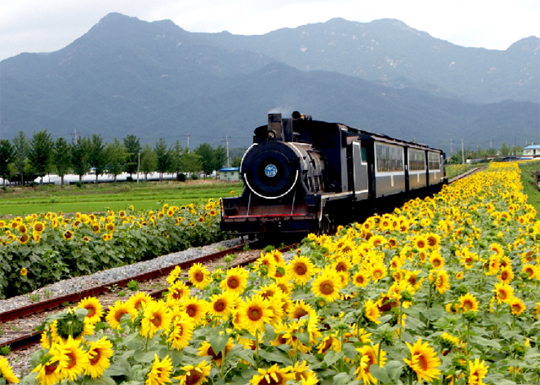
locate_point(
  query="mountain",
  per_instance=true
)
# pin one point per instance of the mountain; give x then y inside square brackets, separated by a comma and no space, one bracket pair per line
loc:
[391,53]
[156,80]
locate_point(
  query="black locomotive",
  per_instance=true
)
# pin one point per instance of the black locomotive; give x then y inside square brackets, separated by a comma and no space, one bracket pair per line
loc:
[302,175]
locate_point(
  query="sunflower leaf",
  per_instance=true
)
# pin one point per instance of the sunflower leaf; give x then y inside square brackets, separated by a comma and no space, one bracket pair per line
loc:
[379,373]
[218,342]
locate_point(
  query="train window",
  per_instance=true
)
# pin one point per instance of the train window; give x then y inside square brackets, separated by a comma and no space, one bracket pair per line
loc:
[389,158]
[364,154]
[417,160]
[433,160]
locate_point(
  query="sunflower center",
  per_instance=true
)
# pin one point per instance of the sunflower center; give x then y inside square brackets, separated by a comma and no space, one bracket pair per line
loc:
[467,305]
[193,377]
[377,274]
[156,320]
[327,287]
[220,305]
[199,276]
[341,267]
[360,279]
[299,313]
[50,369]
[300,269]
[233,282]
[422,362]
[502,294]
[191,310]
[254,313]
[97,355]
[91,311]
[71,359]
[119,314]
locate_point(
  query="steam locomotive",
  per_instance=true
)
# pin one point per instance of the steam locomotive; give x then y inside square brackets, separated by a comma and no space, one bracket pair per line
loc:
[302,175]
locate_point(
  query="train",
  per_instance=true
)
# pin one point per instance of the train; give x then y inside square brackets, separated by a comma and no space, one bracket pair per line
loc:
[306,176]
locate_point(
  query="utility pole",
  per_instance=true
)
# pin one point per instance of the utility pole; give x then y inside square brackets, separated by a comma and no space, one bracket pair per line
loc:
[188,142]
[138,165]
[228,157]
[451,146]
[75,135]
[462,152]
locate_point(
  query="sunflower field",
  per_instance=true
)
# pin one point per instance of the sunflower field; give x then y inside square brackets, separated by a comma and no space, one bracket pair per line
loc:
[443,290]
[41,249]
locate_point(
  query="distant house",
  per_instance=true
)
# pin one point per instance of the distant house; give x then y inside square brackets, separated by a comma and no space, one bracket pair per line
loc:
[532,151]
[229,173]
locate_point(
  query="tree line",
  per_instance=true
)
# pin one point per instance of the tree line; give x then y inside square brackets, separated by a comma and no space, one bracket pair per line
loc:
[480,153]
[22,159]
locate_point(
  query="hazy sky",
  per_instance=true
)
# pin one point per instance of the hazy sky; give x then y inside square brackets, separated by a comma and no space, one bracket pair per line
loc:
[49,25]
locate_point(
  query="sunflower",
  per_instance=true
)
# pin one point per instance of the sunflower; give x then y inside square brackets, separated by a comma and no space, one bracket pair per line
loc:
[160,373]
[468,302]
[342,264]
[73,360]
[497,249]
[420,242]
[23,239]
[117,311]
[174,275]
[48,373]
[206,350]
[222,305]
[255,313]
[477,371]
[442,282]
[181,332]
[506,275]
[6,372]
[329,342]
[155,317]
[433,240]
[92,305]
[68,234]
[267,263]
[272,376]
[378,272]
[99,353]
[371,311]
[325,285]
[437,260]
[38,227]
[196,309]
[361,278]
[139,301]
[24,272]
[301,269]
[236,280]
[194,375]
[368,356]
[199,276]
[531,271]
[504,292]
[303,374]
[424,361]
[517,306]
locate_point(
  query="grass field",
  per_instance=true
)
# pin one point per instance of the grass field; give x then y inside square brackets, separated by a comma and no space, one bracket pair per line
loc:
[528,182]
[99,198]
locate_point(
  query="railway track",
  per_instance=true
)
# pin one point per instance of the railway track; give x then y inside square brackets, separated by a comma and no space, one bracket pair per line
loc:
[17,325]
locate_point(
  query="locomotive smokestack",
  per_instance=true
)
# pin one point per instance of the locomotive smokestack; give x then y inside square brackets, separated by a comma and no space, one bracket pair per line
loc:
[298,116]
[275,127]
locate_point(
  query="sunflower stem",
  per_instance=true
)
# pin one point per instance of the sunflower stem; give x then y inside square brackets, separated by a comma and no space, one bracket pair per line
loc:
[257,345]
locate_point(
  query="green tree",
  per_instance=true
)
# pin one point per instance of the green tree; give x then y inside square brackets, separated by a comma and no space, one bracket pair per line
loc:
[212,159]
[190,162]
[97,157]
[116,156]
[7,155]
[40,153]
[80,155]
[220,157]
[20,151]
[61,158]
[163,157]
[176,152]
[505,150]
[148,160]
[132,147]
[237,160]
